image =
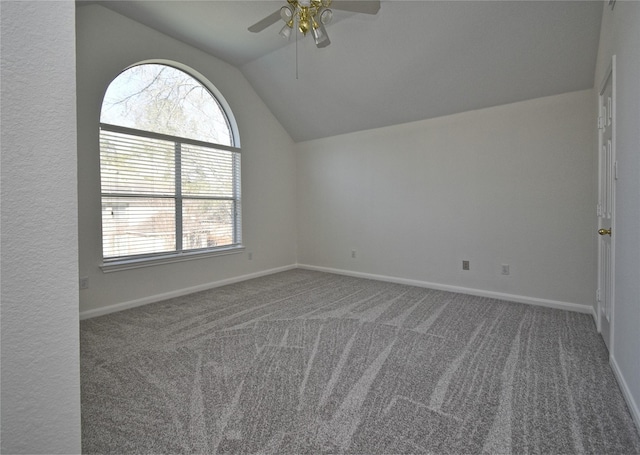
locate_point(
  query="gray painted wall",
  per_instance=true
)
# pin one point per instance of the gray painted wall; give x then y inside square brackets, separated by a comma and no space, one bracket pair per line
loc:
[40,398]
[512,185]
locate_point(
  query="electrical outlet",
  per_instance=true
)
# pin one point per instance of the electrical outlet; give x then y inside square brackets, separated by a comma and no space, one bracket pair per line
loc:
[250,255]
[465,265]
[84,282]
[353,254]
[505,269]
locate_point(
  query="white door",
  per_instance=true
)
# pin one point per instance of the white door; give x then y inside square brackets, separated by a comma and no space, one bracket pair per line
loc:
[606,206]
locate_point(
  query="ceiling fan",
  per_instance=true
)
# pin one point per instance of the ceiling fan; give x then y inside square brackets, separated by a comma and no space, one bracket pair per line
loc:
[312,15]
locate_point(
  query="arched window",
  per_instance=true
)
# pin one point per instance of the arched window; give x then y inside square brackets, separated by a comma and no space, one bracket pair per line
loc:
[169,168]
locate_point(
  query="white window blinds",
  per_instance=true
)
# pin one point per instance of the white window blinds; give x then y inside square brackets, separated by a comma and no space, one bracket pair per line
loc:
[164,194]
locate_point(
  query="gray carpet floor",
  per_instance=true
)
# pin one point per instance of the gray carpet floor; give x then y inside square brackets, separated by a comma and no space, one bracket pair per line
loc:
[307,362]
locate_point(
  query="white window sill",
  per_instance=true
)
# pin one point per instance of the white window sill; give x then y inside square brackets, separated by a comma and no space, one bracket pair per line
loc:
[128,264]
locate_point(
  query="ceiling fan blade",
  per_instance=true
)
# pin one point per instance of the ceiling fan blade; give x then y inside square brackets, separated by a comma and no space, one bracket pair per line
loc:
[357,6]
[264,23]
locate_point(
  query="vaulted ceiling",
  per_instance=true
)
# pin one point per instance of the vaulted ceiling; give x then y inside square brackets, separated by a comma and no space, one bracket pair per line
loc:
[412,61]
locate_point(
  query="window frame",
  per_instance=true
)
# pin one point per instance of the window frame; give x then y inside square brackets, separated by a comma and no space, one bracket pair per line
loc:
[179,255]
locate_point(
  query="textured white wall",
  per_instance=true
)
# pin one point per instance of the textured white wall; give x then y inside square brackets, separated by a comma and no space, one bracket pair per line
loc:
[620,36]
[107,44]
[507,185]
[40,397]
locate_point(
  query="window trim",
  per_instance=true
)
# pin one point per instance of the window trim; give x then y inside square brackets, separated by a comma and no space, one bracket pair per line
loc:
[152,260]
[166,137]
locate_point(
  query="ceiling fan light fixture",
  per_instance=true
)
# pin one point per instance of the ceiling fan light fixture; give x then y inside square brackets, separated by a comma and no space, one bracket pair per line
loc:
[325,15]
[286,30]
[286,13]
[316,32]
[319,34]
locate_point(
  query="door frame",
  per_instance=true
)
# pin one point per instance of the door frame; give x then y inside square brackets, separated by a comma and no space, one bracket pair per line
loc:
[610,74]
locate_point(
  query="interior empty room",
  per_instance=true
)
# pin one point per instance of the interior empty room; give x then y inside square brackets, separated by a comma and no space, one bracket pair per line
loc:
[393,227]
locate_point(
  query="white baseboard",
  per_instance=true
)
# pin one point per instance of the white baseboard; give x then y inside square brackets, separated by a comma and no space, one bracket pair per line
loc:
[444,287]
[180,292]
[626,392]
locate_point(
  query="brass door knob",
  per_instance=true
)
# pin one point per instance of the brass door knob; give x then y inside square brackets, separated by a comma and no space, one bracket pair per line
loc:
[604,231]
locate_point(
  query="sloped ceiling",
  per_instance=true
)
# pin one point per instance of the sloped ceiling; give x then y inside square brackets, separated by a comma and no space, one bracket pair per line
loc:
[412,61]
